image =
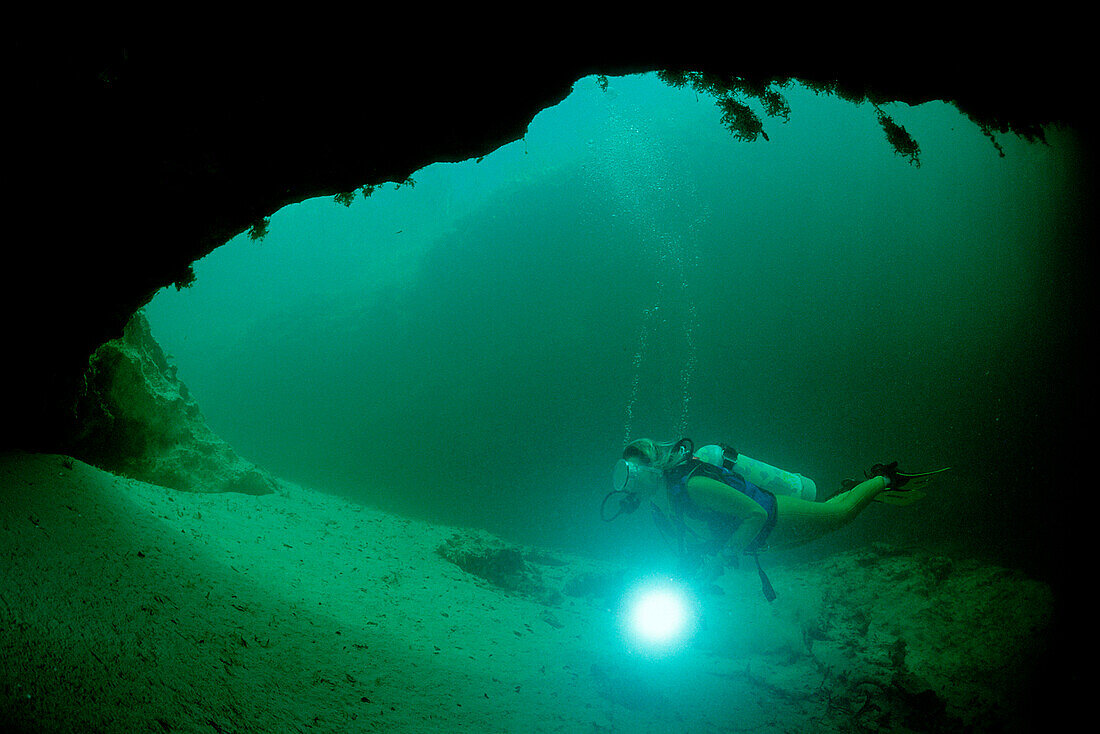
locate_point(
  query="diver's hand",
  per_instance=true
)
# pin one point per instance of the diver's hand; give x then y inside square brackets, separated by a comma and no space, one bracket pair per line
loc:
[710,570]
[731,558]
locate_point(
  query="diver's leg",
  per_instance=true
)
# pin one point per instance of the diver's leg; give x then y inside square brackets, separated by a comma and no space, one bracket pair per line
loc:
[800,521]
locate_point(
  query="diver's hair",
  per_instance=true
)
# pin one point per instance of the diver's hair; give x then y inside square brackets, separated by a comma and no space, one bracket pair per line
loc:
[655,454]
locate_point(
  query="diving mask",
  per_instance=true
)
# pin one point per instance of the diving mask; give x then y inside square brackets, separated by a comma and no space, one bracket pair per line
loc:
[632,478]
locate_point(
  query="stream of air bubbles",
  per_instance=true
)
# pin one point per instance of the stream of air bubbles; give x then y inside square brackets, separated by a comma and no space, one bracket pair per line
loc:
[655,199]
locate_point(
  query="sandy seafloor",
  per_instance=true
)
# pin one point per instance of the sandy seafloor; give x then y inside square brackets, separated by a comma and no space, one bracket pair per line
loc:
[128,607]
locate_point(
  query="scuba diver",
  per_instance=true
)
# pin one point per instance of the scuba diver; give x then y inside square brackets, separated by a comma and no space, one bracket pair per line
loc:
[716,505]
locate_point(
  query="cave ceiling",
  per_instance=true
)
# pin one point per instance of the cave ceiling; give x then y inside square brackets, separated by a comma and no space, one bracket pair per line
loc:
[130,160]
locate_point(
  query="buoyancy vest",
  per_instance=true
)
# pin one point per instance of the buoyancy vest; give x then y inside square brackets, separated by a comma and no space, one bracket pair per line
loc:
[720,526]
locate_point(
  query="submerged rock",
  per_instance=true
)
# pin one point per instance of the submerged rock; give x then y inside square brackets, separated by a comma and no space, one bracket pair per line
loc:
[136,418]
[906,640]
[525,571]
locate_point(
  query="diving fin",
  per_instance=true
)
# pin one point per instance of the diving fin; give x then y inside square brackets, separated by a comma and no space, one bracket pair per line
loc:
[919,479]
[900,498]
[910,491]
[923,473]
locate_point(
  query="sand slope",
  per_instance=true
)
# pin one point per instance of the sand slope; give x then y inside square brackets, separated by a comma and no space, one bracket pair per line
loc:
[130,607]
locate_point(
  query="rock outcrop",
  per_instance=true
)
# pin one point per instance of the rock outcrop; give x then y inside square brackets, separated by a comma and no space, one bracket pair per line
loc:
[136,418]
[912,640]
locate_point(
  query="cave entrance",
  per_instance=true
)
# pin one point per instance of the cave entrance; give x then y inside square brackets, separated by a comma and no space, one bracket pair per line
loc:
[480,340]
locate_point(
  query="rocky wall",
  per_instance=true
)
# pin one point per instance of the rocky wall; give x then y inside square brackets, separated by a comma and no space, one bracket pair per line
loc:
[135,417]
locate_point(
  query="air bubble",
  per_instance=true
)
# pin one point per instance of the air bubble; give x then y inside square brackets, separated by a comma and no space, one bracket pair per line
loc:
[655,197]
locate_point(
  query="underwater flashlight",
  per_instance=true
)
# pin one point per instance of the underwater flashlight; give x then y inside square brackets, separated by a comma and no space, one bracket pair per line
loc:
[659,615]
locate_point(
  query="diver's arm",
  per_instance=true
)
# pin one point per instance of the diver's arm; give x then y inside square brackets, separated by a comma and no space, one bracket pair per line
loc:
[715,495]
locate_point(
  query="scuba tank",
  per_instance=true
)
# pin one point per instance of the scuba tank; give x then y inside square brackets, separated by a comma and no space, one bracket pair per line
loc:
[765,476]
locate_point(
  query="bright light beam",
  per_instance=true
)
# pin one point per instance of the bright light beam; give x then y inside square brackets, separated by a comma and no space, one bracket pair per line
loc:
[659,615]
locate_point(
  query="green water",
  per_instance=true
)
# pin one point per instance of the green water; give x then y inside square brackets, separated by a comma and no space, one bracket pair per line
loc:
[476,348]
